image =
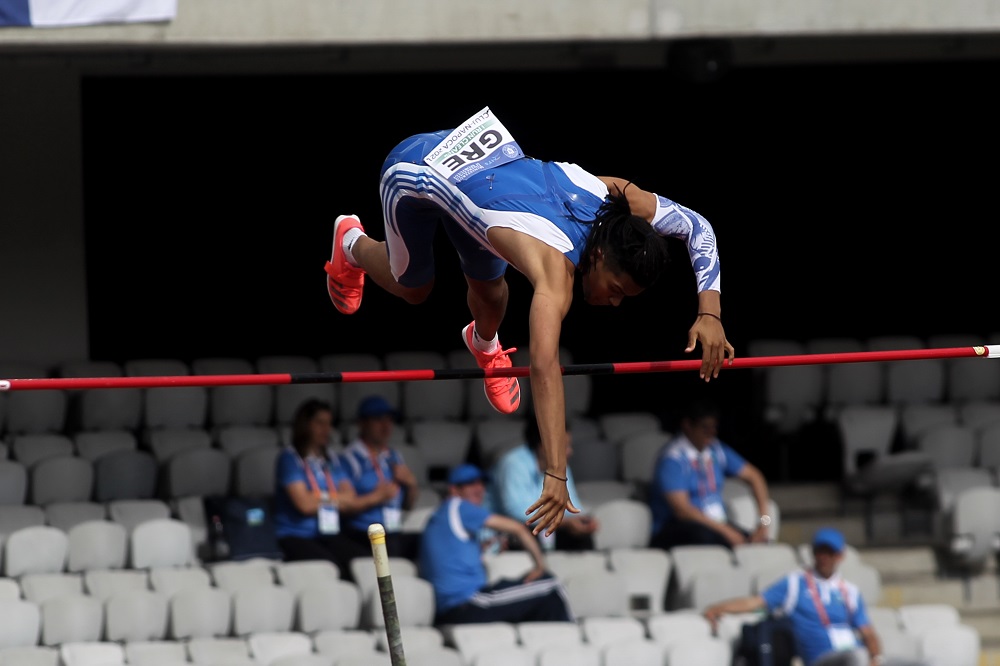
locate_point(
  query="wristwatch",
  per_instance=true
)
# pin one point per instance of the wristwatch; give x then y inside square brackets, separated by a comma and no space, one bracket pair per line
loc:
[765,520]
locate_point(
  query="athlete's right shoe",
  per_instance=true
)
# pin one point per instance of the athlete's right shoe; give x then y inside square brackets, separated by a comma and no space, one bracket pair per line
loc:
[344,281]
[504,393]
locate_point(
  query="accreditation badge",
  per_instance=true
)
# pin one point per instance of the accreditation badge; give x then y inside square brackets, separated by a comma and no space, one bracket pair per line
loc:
[392,518]
[329,519]
[481,142]
[841,637]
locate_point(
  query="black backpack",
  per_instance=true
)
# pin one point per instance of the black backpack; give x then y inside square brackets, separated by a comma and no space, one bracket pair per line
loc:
[768,642]
[240,528]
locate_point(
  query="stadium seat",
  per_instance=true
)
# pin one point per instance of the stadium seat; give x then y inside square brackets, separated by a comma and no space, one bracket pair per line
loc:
[207,651]
[161,542]
[104,583]
[29,448]
[268,647]
[337,643]
[35,549]
[602,594]
[200,612]
[62,478]
[133,512]
[92,653]
[262,608]
[71,618]
[125,475]
[135,615]
[421,400]
[624,523]
[13,482]
[91,445]
[20,623]
[165,443]
[97,544]
[41,587]
[646,572]
[327,605]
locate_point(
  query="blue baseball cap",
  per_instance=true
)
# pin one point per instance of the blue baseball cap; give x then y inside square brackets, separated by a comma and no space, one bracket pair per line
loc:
[829,537]
[464,473]
[376,406]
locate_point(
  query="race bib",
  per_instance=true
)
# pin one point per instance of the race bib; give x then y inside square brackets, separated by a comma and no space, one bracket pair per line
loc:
[841,637]
[329,519]
[480,143]
[392,519]
[715,511]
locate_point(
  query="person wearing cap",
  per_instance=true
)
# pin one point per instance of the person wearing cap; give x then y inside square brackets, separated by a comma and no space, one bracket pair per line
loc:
[685,494]
[379,473]
[451,558]
[517,479]
[827,613]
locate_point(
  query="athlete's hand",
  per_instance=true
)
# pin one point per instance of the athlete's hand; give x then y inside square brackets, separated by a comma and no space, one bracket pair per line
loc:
[547,513]
[714,346]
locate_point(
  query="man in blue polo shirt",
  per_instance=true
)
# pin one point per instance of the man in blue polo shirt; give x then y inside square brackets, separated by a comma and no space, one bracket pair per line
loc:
[451,559]
[386,487]
[685,495]
[827,613]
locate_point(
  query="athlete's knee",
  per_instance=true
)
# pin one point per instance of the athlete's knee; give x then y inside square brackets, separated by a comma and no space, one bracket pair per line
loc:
[417,295]
[488,290]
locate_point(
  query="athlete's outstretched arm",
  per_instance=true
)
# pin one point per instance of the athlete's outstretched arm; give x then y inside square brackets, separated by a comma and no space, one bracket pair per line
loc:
[672,220]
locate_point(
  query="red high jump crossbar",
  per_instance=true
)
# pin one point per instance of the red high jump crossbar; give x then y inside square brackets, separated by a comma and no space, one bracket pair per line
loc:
[479,373]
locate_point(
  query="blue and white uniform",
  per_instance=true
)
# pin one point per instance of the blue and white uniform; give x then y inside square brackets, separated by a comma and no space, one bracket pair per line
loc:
[365,472]
[701,474]
[451,559]
[825,612]
[555,202]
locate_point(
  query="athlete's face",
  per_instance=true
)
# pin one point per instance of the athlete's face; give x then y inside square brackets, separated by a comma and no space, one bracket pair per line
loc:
[602,286]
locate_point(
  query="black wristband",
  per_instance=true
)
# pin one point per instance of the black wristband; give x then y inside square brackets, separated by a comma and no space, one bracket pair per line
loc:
[563,479]
[702,314]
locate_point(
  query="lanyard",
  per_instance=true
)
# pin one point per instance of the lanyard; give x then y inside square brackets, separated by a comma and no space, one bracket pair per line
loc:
[705,464]
[814,593]
[376,464]
[331,489]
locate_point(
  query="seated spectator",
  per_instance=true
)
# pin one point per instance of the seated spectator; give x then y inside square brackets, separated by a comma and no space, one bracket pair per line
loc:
[685,495]
[381,478]
[823,609]
[313,494]
[451,559]
[516,482]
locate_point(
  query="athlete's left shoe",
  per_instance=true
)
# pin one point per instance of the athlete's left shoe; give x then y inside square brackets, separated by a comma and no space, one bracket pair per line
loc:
[344,281]
[504,393]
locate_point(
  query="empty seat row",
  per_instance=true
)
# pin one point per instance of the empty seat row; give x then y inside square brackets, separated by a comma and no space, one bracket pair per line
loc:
[790,396]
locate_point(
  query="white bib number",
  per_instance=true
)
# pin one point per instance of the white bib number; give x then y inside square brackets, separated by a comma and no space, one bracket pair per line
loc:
[329,519]
[479,143]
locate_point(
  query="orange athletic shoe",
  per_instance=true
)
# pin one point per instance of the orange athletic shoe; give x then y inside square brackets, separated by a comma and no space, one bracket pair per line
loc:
[344,281]
[504,393]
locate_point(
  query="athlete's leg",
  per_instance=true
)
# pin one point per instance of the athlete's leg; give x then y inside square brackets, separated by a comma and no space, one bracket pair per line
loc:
[373,256]
[488,304]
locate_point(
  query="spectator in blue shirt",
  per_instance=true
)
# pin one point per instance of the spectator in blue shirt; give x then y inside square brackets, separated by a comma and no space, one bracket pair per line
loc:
[452,560]
[516,481]
[685,495]
[378,472]
[313,494]
[826,612]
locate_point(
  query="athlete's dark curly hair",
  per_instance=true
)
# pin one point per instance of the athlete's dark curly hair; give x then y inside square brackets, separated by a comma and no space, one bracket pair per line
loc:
[628,243]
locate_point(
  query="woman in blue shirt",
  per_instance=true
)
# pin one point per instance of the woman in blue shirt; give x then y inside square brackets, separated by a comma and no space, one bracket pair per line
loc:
[312,493]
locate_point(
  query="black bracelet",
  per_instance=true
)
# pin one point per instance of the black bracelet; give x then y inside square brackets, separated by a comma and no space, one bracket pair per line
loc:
[700,314]
[555,477]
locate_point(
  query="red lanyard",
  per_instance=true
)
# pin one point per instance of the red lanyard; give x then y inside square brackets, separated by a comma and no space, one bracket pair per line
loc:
[376,465]
[705,464]
[331,489]
[814,593]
